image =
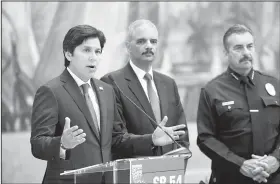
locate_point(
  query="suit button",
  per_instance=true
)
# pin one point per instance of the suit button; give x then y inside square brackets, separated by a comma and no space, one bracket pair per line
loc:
[214,180]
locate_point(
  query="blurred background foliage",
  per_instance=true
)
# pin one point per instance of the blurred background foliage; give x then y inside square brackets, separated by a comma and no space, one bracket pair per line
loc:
[190,44]
[190,51]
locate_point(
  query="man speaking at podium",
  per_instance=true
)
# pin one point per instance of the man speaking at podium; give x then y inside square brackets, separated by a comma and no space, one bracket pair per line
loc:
[145,96]
[75,121]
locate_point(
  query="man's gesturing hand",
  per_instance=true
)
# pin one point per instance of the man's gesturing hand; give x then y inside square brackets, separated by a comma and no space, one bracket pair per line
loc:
[160,138]
[72,136]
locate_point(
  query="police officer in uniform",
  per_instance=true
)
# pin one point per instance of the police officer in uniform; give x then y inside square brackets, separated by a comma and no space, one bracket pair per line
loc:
[238,117]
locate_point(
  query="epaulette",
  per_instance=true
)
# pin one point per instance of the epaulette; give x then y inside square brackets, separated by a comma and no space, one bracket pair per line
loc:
[268,74]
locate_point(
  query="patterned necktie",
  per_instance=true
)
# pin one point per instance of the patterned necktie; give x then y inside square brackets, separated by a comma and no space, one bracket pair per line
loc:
[90,105]
[154,101]
[257,122]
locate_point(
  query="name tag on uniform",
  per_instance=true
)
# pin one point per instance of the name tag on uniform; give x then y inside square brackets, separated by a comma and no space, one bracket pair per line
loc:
[227,103]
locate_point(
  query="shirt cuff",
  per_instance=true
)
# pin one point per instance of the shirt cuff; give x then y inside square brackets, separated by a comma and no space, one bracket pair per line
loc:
[62,153]
[276,154]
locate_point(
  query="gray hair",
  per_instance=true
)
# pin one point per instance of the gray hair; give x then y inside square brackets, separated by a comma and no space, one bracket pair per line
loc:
[132,27]
[235,29]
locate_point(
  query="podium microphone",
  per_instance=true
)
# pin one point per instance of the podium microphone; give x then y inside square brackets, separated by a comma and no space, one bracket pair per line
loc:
[180,150]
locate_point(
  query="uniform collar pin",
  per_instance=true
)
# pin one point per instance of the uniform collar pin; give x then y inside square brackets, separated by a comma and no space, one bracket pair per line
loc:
[234,76]
[253,74]
[101,88]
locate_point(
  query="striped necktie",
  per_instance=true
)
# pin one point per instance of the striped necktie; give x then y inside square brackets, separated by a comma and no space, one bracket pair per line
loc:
[85,88]
[154,100]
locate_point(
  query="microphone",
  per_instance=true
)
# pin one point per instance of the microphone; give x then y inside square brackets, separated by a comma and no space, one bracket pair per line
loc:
[180,150]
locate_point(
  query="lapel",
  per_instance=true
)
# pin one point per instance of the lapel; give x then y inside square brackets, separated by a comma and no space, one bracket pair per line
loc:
[101,97]
[73,89]
[135,87]
[162,93]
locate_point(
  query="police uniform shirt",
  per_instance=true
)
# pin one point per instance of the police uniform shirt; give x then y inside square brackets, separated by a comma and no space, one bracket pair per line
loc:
[225,118]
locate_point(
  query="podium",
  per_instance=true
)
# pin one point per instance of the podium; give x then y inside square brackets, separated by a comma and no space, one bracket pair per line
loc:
[156,169]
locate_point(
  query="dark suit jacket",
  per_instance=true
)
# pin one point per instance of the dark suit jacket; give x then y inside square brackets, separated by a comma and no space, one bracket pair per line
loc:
[136,121]
[60,98]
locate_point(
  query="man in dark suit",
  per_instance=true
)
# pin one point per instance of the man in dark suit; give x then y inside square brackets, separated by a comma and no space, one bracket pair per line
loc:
[156,94]
[76,98]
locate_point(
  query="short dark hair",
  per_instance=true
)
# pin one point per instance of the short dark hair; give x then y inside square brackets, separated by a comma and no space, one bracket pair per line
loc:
[76,35]
[235,29]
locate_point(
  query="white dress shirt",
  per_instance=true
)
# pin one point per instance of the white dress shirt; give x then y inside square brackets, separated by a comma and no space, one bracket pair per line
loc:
[94,101]
[140,75]
[91,93]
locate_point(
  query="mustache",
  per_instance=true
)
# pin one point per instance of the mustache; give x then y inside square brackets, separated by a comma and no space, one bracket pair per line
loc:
[148,52]
[249,58]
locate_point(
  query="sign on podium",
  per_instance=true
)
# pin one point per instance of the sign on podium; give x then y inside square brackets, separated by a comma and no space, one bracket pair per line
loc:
[157,169]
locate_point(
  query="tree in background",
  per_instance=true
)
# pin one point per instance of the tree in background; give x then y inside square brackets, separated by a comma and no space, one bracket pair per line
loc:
[201,26]
[18,90]
[190,47]
[51,63]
